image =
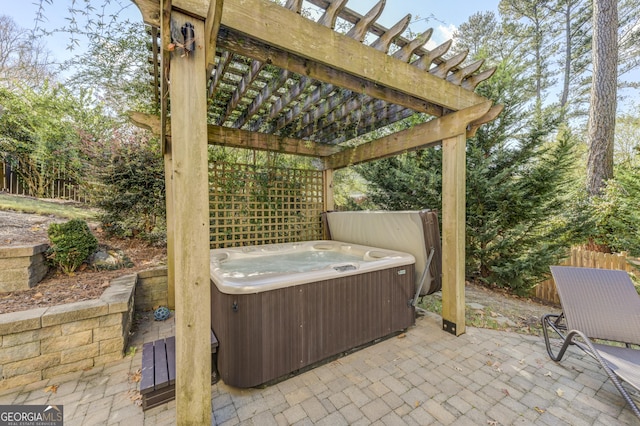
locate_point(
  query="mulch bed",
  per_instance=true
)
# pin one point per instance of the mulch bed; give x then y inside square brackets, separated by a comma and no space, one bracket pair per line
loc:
[85,284]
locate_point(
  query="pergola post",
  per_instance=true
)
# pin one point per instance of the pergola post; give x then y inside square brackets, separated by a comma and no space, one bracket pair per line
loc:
[327,190]
[453,233]
[191,221]
[170,215]
[165,61]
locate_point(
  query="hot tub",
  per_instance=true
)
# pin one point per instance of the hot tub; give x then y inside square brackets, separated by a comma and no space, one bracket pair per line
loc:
[276,309]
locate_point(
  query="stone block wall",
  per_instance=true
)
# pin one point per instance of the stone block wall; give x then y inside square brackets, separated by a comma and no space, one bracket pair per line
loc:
[151,290]
[22,267]
[46,342]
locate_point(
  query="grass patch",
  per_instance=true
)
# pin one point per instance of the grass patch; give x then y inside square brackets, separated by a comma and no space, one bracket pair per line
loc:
[473,317]
[59,208]
[485,318]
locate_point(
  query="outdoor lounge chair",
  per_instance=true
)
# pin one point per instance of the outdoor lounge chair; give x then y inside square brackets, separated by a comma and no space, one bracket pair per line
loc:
[603,305]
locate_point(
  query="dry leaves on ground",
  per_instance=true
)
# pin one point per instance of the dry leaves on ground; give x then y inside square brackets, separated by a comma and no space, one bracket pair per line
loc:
[136,397]
[51,388]
[136,376]
[86,284]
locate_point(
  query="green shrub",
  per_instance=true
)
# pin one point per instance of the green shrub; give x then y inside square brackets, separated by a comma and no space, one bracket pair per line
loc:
[522,209]
[71,244]
[132,194]
[616,212]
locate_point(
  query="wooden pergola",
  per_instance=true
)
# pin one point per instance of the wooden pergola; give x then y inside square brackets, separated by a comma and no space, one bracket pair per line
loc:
[255,74]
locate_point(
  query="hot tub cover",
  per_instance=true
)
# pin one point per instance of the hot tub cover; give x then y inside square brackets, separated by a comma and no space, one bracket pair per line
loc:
[414,232]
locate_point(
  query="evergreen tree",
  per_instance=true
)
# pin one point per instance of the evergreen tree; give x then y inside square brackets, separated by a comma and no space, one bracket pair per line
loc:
[520,213]
[628,40]
[574,37]
[406,182]
[616,211]
[534,36]
[479,34]
[626,150]
[603,98]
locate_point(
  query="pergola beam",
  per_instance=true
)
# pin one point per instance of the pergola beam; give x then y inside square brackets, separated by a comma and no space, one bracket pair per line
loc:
[211,27]
[335,157]
[236,42]
[323,54]
[419,136]
[236,138]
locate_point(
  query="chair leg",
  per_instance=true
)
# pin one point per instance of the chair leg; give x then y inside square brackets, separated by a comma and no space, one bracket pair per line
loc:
[548,323]
[551,321]
[616,381]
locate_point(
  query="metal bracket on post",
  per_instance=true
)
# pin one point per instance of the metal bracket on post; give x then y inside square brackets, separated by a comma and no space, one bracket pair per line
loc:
[449,326]
[186,33]
[189,38]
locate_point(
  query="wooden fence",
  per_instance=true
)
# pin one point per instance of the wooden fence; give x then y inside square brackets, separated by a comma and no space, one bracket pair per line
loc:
[546,290]
[59,185]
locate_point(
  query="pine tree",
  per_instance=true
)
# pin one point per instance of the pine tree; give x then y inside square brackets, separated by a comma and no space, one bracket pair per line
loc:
[520,213]
[574,37]
[616,211]
[534,35]
[602,111]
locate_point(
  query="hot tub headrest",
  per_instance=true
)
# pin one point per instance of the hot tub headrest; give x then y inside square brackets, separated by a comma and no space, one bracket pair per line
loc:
[414,232]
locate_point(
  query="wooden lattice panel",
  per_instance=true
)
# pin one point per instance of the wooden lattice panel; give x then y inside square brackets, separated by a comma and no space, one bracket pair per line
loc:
[251,204]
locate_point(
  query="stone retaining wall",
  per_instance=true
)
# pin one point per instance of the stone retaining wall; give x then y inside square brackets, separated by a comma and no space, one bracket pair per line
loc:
[22,267]
[151,290]
[46,342]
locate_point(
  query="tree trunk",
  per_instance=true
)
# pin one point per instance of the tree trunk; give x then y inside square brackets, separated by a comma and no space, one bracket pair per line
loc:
[538,54]
[602,111]
[567,55]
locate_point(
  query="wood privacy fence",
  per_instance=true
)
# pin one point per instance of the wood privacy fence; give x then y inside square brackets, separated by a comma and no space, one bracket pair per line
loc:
[56,183]
[588,259]
[252,204]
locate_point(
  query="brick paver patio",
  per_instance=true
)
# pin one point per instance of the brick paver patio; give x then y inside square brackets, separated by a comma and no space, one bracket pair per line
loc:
[424,376]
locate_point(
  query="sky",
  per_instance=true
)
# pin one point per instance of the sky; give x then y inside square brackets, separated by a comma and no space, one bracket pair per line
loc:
[442,16]
[57,13]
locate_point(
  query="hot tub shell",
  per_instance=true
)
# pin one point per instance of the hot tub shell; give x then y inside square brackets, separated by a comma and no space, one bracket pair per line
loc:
[268,329]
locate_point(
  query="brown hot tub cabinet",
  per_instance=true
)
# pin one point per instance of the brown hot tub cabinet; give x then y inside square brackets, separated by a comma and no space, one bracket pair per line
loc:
[265,335]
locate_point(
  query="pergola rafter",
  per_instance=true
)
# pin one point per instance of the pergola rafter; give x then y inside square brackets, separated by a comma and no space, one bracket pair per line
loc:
[253,74]
[251,104]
